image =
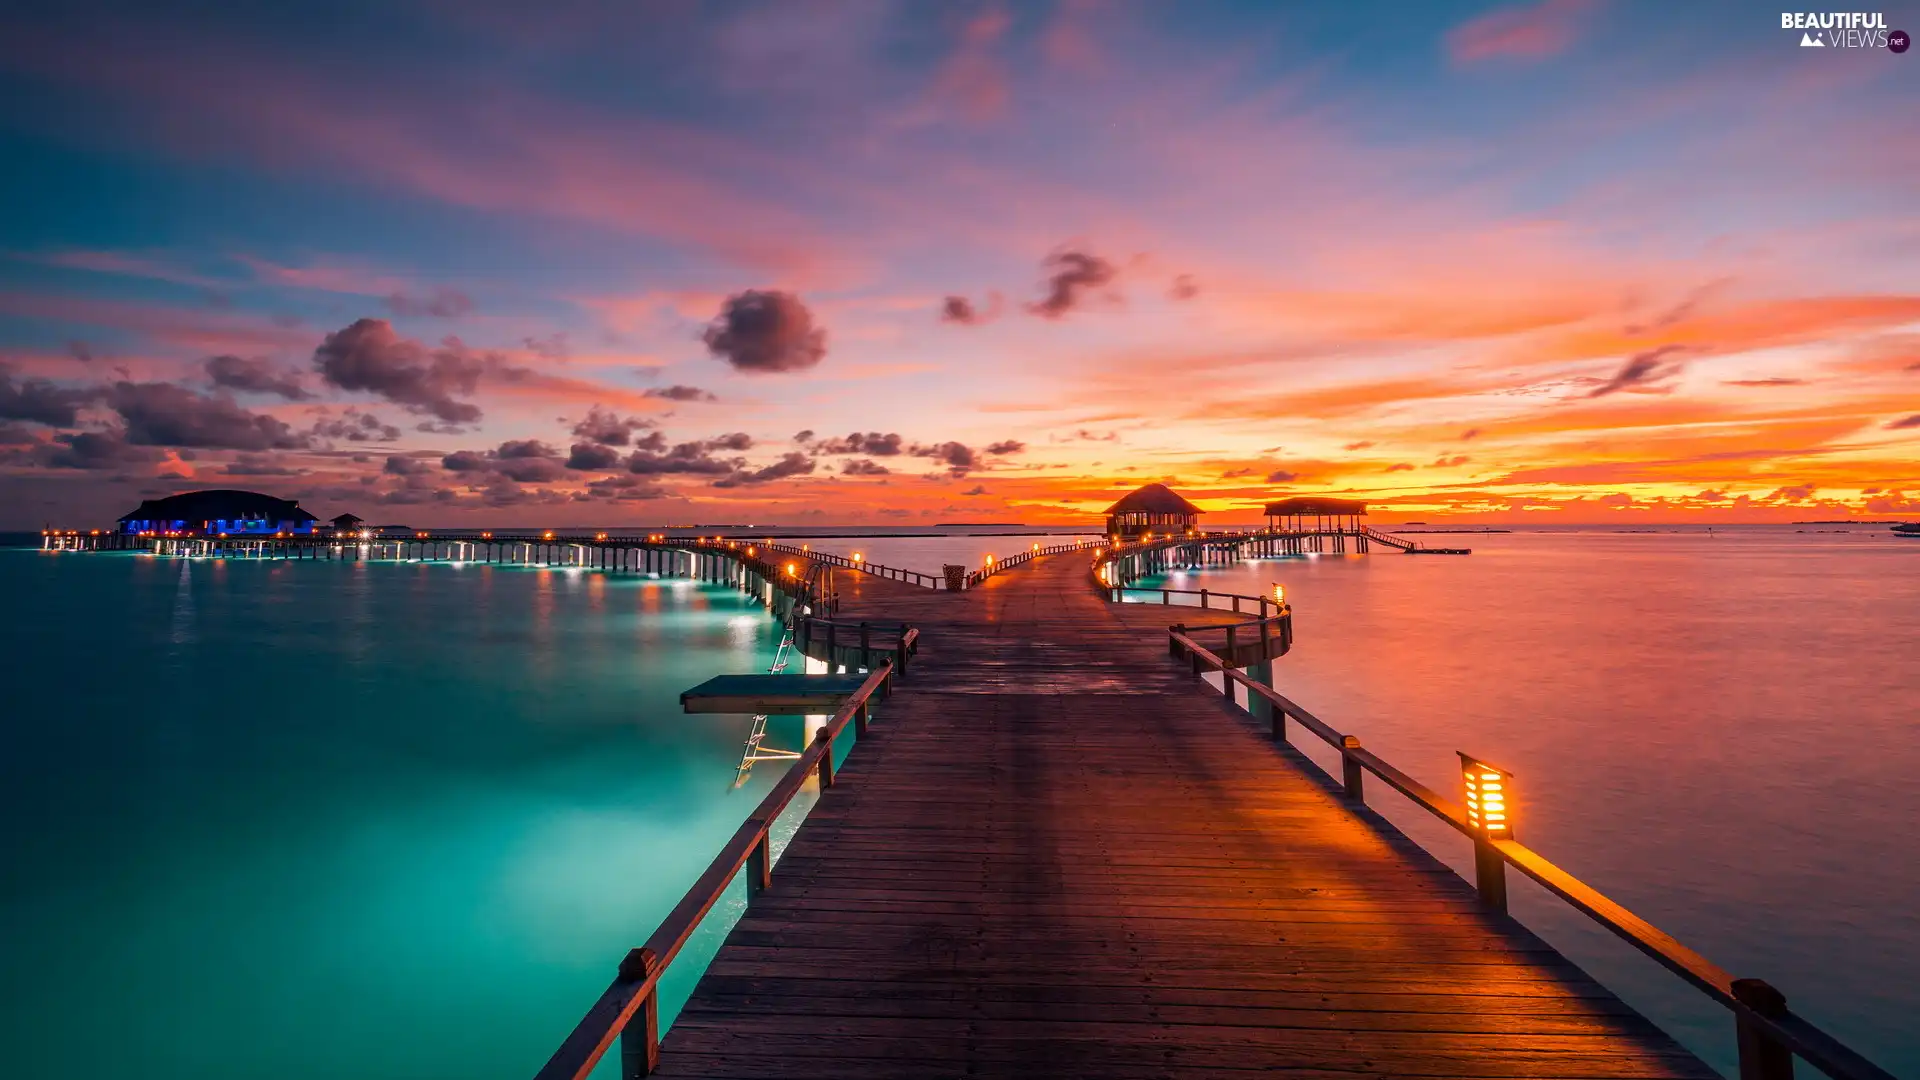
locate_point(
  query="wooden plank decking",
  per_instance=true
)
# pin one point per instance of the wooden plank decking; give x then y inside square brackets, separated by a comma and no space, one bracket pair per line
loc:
[1056,857]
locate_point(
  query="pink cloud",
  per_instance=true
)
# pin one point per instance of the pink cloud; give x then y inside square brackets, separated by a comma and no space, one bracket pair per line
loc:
[1530,32]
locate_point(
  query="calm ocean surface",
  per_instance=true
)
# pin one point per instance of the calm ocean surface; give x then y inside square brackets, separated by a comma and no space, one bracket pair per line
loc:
[323,819]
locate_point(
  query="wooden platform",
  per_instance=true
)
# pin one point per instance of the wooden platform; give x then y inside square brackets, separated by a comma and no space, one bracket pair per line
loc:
[1039,865]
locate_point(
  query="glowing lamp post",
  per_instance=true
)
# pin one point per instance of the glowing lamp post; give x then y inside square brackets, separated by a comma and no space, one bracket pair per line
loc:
[857,557]
[1489,791]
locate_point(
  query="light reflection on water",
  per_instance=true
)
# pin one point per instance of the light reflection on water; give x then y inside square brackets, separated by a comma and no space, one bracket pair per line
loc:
[327,819]
[1718,732]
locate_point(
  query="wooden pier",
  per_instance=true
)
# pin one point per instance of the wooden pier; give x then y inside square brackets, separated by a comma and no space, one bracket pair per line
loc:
[1054,850]
[1058,853]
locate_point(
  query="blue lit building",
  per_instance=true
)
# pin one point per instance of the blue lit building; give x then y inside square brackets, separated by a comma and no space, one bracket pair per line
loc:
[217,512]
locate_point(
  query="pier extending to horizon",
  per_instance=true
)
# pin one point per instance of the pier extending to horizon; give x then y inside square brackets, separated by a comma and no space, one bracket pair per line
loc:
[1055,850]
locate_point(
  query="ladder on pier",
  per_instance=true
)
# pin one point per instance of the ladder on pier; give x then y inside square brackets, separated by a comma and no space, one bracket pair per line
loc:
[757,749]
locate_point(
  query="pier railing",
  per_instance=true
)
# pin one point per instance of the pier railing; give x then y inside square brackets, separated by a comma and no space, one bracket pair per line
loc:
[1769,1034]
[893,573]
[628,1010]
[997,565]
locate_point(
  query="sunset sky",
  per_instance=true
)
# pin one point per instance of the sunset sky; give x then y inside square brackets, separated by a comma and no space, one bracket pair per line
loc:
[459,263]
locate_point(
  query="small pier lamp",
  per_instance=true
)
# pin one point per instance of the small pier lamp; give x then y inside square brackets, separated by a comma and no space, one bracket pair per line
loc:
[548,535]
[1279,593]
[793,570]
[1488,787]
[857,557]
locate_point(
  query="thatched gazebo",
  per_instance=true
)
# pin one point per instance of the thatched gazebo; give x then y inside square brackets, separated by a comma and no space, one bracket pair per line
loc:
[1315,514]
[1151,509]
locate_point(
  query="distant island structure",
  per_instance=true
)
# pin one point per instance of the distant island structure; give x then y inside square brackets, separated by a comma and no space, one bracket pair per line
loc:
[1315,514]
[219,511]
[1154,508]
[346,523]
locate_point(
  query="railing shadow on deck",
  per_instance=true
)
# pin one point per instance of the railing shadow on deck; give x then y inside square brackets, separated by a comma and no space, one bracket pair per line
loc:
[628,1009]
[1768,1033]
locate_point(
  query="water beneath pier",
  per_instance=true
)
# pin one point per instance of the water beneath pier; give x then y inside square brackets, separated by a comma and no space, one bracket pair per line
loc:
[1717,731]
[324,820]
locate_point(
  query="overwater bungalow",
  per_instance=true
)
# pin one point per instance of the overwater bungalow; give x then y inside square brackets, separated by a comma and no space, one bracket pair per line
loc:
[217,512]
[1154,508]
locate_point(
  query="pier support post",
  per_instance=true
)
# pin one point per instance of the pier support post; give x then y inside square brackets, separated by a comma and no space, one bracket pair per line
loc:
[1351,777]
[640,1041]
[860,721]
[759,869]
[1489,875]
[825,738]
[1761,1058]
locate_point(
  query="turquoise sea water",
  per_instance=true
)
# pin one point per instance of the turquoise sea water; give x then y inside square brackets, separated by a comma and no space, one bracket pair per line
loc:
[326,819]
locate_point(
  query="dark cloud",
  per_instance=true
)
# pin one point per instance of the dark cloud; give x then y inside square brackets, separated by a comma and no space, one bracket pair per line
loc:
[1400,467]
[40,401]
[1470,433]
[1070,275]
[1450,462]
[465,461]
[441,303]
[80,351]
[958,309]
[1006,446]
[17,435]
[355,426]
[1765,382]
[162,414]
[1282,476]
[93,450]
[977,489]
[625,487]
[401,465]
[872,443]
[680,393]
[590,456]
[525,448]
[1183,288]
[864,467]
[1800,493]
[962,312]
[531,470]
[255,376]
[608,428]
[957,457]
[689,458]
[1235,474]
[803,437]
[527,461]
[791,463]
[761,331]
[738,440]
[1362,445]
[1910,422]
[370,356]
[259,465]
[1641,370]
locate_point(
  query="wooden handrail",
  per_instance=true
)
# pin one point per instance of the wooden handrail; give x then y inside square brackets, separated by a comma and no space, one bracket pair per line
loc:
[1755,1005]
[635,987]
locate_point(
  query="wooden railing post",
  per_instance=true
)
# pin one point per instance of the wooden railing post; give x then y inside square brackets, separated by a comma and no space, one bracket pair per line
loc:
[759,868]
[1489,875]
[860,721]
[825,737]
[1761,1058]
[1350,771]
[899,661]
[640,1041]
[866,647]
